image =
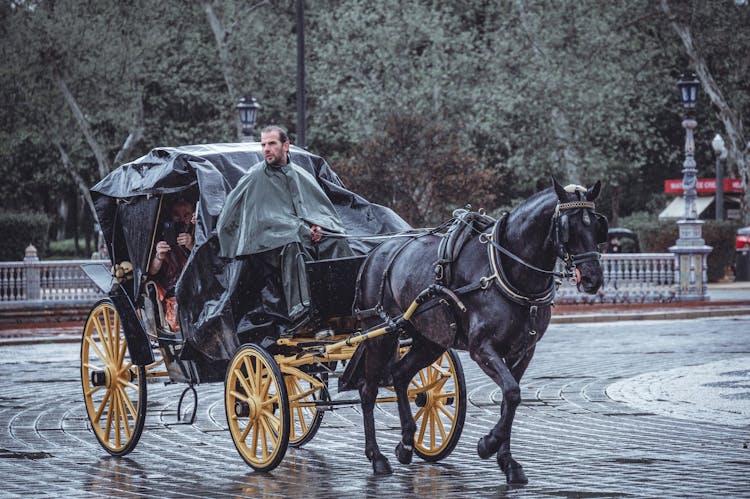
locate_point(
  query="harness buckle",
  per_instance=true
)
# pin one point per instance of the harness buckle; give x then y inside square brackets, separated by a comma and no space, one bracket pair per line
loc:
[484,238]
[439,272]
[484,282]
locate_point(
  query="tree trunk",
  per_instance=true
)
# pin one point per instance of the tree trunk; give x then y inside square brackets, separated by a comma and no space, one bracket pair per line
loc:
[615,206]
[83,124]
[82,185]
[738,147]
[135,133]
[221,35]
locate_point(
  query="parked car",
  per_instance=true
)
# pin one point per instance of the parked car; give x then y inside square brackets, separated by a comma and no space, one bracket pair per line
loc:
[622,240]
[742,255]
[743,239]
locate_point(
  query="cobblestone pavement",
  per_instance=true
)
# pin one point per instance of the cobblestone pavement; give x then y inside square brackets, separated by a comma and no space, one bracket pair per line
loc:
[625,409]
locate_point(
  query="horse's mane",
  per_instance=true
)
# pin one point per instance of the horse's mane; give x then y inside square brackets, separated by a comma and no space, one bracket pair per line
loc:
[535,201]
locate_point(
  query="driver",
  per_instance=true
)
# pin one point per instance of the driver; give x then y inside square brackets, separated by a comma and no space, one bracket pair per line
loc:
[168,262]
[279,213]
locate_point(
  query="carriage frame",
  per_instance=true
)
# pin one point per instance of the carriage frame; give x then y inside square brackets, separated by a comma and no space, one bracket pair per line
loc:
[276,387]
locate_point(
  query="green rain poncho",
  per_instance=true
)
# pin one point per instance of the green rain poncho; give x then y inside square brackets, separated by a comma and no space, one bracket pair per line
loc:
[271,207]
[269,214]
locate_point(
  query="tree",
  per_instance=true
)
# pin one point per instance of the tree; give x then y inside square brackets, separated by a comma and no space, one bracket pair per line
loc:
[418,167]
[727,55]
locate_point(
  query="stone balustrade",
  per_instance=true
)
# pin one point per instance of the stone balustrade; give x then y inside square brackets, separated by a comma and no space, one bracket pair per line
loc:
[49,281]
[628,278]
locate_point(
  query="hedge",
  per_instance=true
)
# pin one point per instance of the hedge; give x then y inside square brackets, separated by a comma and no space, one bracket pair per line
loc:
[657,236]
[18,230]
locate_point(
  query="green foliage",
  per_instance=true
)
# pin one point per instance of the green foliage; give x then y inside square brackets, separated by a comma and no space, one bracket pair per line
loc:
[655,236]
[65,249]
[19,230]
[584,91]
[423,187]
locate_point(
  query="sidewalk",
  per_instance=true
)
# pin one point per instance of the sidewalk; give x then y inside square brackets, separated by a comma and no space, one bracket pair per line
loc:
[725,299]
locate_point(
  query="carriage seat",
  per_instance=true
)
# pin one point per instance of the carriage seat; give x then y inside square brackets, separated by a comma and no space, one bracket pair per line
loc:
[332,285]
[154,316]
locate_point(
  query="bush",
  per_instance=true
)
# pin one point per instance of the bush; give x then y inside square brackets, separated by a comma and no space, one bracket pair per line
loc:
[657,236]
[19,230]
[65,249]
[720,235]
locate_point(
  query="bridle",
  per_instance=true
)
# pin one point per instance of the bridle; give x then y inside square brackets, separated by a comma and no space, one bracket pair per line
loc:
[559,228]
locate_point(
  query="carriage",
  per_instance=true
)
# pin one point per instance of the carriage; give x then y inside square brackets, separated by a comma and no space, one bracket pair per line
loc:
[277,380]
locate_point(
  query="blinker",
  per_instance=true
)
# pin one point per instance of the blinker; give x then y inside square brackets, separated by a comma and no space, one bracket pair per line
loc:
[564,229]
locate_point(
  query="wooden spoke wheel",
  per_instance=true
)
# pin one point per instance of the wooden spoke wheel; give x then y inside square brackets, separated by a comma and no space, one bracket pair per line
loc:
[305,417]
[257,407]
[439,393]
[114,390]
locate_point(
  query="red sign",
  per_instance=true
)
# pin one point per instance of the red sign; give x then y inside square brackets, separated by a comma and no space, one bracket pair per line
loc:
[704,186]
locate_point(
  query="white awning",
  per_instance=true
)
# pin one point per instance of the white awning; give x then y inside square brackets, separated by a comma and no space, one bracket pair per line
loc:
[676,209]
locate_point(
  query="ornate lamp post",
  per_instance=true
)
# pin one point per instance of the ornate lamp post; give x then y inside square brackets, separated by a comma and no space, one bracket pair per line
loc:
[721,157]
[690,248]
[248,109]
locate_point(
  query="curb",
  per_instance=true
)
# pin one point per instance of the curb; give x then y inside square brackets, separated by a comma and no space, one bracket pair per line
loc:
[694,313]
[50,337]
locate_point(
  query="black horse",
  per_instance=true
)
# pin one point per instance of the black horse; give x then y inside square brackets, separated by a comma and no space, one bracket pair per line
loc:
[493,300]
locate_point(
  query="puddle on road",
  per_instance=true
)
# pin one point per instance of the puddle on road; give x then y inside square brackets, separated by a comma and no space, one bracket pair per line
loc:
[640,460]
[7,454]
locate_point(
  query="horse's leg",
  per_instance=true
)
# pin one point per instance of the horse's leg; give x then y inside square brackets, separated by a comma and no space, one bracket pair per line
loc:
[376,363]
[420,355]
[498,439]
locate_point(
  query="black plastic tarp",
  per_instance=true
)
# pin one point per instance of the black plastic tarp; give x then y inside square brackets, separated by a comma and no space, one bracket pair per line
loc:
[213,293]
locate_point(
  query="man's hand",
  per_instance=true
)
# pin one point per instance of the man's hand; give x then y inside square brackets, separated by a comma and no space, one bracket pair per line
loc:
[316,233]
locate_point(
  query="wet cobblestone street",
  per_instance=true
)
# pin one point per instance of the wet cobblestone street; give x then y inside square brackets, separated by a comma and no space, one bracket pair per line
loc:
[622,409]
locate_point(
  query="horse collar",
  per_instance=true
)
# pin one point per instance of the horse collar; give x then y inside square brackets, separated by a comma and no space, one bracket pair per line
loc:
[545,298]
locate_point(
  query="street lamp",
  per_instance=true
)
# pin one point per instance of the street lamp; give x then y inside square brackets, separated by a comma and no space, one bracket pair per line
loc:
[688,85]
[248,109]
[690,249]
[721,157]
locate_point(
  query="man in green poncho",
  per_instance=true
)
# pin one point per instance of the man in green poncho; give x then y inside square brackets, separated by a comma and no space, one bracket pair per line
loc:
[277,213]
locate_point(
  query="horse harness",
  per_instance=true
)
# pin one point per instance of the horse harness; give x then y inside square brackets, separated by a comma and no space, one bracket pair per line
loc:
[463,226]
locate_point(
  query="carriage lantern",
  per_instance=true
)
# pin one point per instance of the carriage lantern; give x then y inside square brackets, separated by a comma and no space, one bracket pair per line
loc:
[248,108]
[688,85]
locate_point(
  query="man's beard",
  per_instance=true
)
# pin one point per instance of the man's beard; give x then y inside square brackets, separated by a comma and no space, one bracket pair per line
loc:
[278,161]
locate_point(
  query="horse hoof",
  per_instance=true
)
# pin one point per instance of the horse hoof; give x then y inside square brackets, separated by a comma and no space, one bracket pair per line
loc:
[381,466]
[487,446]
[404,454]
[514,473]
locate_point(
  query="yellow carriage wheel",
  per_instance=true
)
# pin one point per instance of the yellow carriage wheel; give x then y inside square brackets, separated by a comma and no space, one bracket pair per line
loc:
[114,390]
[305,416]
[257,407]
[439,393]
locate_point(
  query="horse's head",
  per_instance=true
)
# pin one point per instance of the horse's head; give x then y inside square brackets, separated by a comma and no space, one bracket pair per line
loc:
[577,231]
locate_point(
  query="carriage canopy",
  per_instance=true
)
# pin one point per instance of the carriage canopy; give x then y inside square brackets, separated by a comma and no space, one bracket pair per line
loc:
[213,294]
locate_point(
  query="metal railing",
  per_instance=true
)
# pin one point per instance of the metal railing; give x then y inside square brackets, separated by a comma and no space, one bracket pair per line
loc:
[629,278]
[49,281]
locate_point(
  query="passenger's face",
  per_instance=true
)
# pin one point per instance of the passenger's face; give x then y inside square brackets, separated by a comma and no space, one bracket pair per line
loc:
[274,150]
[182,213]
